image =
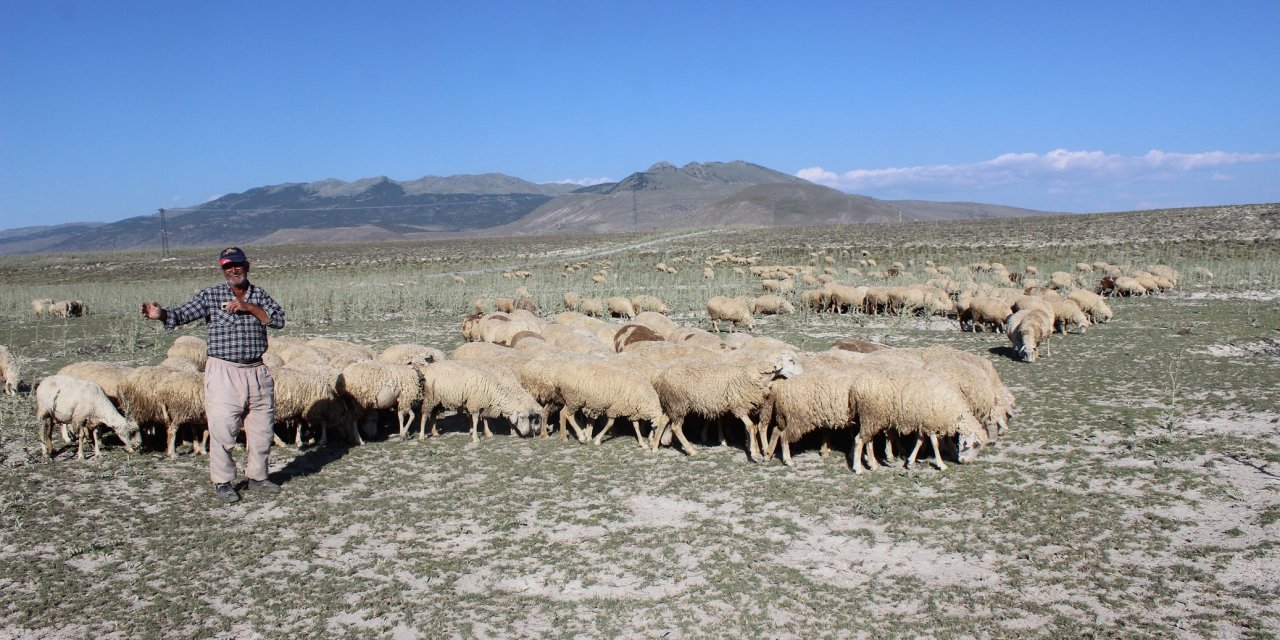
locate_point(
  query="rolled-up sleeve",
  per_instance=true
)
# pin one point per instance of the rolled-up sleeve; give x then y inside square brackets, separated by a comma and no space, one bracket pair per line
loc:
[274,311]
[193,310]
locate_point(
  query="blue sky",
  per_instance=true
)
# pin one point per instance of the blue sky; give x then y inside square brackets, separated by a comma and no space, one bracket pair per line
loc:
[114,109]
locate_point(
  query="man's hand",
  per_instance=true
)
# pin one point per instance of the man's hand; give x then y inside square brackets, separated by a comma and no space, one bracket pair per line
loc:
[153,310]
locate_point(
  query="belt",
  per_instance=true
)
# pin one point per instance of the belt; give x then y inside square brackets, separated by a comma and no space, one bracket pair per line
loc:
[243,363]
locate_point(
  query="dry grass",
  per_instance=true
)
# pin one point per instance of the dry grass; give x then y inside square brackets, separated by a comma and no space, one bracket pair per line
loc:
[1137,494]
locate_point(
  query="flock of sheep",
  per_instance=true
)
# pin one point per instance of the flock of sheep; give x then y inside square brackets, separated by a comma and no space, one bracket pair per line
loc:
[581,366]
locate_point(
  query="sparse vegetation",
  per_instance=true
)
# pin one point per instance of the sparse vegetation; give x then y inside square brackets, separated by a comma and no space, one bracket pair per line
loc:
[1135,495]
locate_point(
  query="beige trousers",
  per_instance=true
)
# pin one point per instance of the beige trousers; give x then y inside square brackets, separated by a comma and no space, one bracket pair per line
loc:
[236,394]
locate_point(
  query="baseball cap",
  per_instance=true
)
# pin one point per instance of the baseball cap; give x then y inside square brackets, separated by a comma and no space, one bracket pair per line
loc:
[231,255]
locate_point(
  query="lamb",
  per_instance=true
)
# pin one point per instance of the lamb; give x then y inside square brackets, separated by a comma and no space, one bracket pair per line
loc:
[158,395]
[771,305]
[375,386]
[10,371]
[643,303]
[911,400]
[481,389]
[84,406]
[191,348]
[983,312]
[620,307]
[733,310]
[633,333]
[718,387]
[602,388]
[1026,330]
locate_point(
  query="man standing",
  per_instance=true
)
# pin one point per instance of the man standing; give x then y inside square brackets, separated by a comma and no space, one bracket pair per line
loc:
[238,389]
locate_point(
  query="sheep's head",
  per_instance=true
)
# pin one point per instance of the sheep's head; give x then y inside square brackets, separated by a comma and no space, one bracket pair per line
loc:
[525,423]
[785,365]
[131,434]
[972,437]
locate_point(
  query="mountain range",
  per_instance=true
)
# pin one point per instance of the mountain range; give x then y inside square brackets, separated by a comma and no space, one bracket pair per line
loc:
[663,196]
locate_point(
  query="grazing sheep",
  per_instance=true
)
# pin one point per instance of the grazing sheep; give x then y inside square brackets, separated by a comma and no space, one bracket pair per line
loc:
[993,403]
[572,301]
[1202,272]
[1026,330]
[1092,304]
[41,306]
[1126,286]
[593,307]
[1066,313]
[985,312]
[817,399]
[643,303]
[68,308]
[771,305]
[480,306]
[483,389]
[483,351]
[457,279]
[734,310]
[708,273]
[504,305]
[844,298]
[9,370]
[599,388]
[305,398]
[1061,280]
[619,306]
[911,400]
[191,348]
[497,327]
[712,388]
[375,386]
[83,405]
[574,339]
[162,396]
[526,303]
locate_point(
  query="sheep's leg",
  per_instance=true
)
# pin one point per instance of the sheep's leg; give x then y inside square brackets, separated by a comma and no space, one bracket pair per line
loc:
[753,445]
[171,433]
[635,424]
[825,450]
[858,443]
[545,431]
[937,452]
[475,422]
[564,429]
[485,422]
[774,438]
[608,424]
[911,460]
[80,437]
[573,422]
[45,433]
[97,441]
[677,428]
[427,416]
[889,456]
[66,434]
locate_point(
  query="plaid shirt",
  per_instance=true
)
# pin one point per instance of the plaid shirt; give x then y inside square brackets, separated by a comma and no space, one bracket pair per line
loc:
[236,337]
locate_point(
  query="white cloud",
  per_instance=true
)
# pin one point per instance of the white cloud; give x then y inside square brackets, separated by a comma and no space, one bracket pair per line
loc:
[1053,169]
[584,182]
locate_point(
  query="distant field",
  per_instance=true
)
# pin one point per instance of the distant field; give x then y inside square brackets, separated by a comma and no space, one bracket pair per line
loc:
[1137,494]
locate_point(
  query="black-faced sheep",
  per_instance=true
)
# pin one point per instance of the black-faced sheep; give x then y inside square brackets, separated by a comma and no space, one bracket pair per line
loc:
[83,405]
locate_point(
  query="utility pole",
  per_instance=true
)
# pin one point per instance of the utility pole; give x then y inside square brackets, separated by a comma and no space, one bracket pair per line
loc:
[164,237]
[635,209]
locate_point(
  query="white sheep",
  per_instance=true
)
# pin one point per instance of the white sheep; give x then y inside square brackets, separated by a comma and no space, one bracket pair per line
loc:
[911,400]
[9,370]
[711,388]
[600,388]
[411,354]
[191,348]
[816,400]
[107,375]
[619,306]
[985,312]
[734,310]
[1094,305]
[375,386]
[310,399]
[41,306]
[483,389]
[771,305]
[158,395]
[653,304]
[1026,330]
[634,333]
[83,405]
[661,324]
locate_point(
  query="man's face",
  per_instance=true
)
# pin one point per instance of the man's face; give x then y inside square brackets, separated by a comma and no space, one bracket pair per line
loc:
[236,273]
